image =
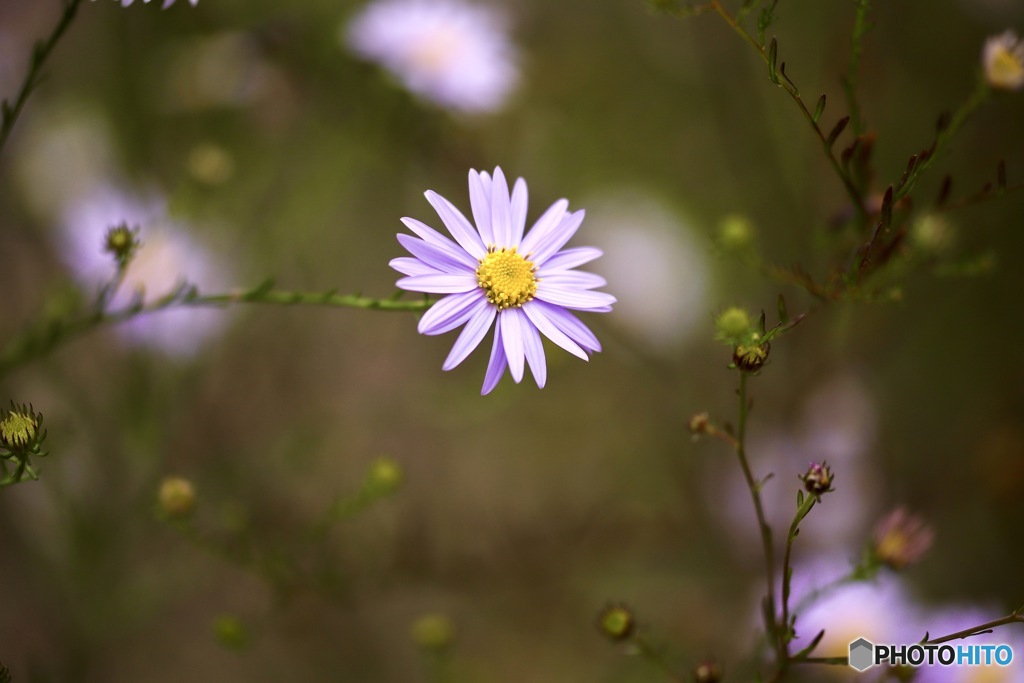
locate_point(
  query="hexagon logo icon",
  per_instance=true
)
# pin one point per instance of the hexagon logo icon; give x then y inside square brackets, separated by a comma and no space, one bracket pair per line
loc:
[861,654]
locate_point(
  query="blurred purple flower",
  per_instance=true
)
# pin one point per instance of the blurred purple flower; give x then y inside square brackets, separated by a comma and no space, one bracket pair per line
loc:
[167,258]
[524,285]
[879,610]
[167,3]
[449,52]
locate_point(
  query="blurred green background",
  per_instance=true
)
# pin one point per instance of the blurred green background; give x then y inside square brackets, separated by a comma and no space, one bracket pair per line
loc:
[523,512]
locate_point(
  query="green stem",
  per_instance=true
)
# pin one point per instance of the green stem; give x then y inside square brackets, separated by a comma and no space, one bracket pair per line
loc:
[832,661]
[794,94]
[960,117]
[33,78]
[860,27]
[806,503]
[762,521]
[41,340]
[652,655]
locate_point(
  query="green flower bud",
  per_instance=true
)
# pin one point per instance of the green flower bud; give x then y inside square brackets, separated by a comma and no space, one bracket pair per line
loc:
[616,622]
[707,672]
[751,357]
[17,430]
[818,479]
[932,233]
[231,633]
[122,242]
[177,497]
[733,326]
[433,632]
[735,233]
[384,477]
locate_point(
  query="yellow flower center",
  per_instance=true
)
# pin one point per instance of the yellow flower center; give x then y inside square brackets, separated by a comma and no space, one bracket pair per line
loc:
[507,277]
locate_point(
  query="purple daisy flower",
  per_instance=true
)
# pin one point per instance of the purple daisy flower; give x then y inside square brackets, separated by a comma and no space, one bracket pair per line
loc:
[492,273]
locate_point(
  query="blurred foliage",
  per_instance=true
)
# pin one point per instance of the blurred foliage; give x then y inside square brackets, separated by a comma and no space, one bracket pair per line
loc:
[521,514]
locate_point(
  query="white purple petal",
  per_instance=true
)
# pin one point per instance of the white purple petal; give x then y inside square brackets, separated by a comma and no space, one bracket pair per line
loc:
[519,203]
[540,320]
[501,211]
[470,337]
[480,201]
[512,337]
[449,313]
[433,237]
[431,255]
[570,258]
[457,224]
[556,239]
[533,347]
[548,221]
[438,284]
[496,365]
[571,297]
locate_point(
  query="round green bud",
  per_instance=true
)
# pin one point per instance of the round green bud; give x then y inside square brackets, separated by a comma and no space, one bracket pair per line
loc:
[733,325]
[177,497]
[230,632]
[735,233]
[616,622]
[121,242]
[433,631]
[385,476]
[751,357]
[932,233]
[17,429]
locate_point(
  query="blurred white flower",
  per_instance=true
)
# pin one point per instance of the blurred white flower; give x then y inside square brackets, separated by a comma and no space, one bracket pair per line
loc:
[663,301]
[450,52]
[226,69]
[167,257]
[1003,59]
[61,157]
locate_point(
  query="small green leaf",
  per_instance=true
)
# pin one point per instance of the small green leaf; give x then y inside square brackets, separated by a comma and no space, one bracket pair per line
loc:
[820,109]
[773,56]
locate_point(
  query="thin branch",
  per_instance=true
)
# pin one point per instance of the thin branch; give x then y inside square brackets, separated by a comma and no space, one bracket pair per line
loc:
[33,78]
[860,27]
[40,340]
[851,189]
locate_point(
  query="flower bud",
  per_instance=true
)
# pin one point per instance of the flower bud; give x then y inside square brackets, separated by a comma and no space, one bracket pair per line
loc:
[902,539]
[932,233]
[121,242]
[699,423]
[384,477]
[733,326]
[818,479]
[231,632]
[1003,61]
[616,622]
[21,433]
[17,430]
[433,632]
[707,672]
[735,233]
[751,357]
[177,497]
